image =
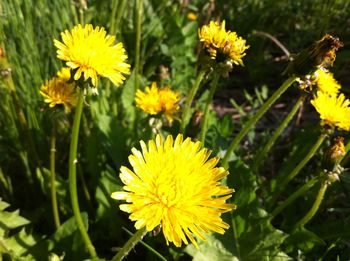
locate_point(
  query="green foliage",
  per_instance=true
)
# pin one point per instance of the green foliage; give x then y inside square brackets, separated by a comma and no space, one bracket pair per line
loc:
[112,125]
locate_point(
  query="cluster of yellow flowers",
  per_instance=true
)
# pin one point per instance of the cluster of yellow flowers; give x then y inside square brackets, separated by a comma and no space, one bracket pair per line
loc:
[58,91]
[222,45]
[173,184]
[333,107]
[158,100]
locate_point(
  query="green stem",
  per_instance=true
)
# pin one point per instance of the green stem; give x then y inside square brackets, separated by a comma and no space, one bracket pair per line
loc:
[309,215]
[186,111]
[251,123]
[277,133]
[214,84]
[55,213]
[147,246]
[138,42]
[293,197]
[295,171]
[130,244]
[73,175]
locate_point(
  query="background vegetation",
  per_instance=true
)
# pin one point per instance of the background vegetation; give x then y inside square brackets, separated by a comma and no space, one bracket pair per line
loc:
[112,125]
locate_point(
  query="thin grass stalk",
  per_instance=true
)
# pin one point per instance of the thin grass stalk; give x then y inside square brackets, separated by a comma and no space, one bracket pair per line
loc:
[81,11]
[56,215]
[296,170]
[251,123]
[148,247]
[73,175]
[304,188]
[213,87]
[277,133]
[130,244]
[118,18]
[112,26]
[311,213]
[186,110]
[137,68]
[234,230]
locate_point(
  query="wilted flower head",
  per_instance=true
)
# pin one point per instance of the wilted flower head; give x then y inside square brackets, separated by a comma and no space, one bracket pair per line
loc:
[320,54]
[337,150]
[334,110]
[59,91]
[173,184]
[222,45]
[158,100]
[91,52]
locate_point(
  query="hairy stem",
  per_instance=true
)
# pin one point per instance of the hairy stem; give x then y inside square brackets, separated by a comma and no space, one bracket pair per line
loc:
[251,123]
[130,244]
[293,197]
[309,215]
[296,170]
[277,133]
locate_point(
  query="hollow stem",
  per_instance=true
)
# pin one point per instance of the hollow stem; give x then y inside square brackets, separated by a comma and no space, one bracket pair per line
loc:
[293,197]
[56,216]
[186,111]
[214,84]
[309,215]
[130,244]
[251,123]
[73,175]
[296,170]
[277,133]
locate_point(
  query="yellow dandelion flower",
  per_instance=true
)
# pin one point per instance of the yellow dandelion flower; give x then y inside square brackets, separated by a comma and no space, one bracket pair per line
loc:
[334,110]
[173,184]
[326,82]
[158,100]
[91,52]
[170,102]
[192,16]
[59,91]
[222,44]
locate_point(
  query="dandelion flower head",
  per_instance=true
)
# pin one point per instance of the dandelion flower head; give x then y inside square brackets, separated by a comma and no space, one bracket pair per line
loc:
[58,91]
[174,184]
[334,110]
[326,83]
[156,100]
[91,52]
[222,44]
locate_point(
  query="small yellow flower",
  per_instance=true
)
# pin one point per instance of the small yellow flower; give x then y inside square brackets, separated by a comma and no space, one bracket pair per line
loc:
[334,110]
[326,82]
[58,91]
[173,184]
[222,44]
[155,101]
[91,52]
[192,16]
